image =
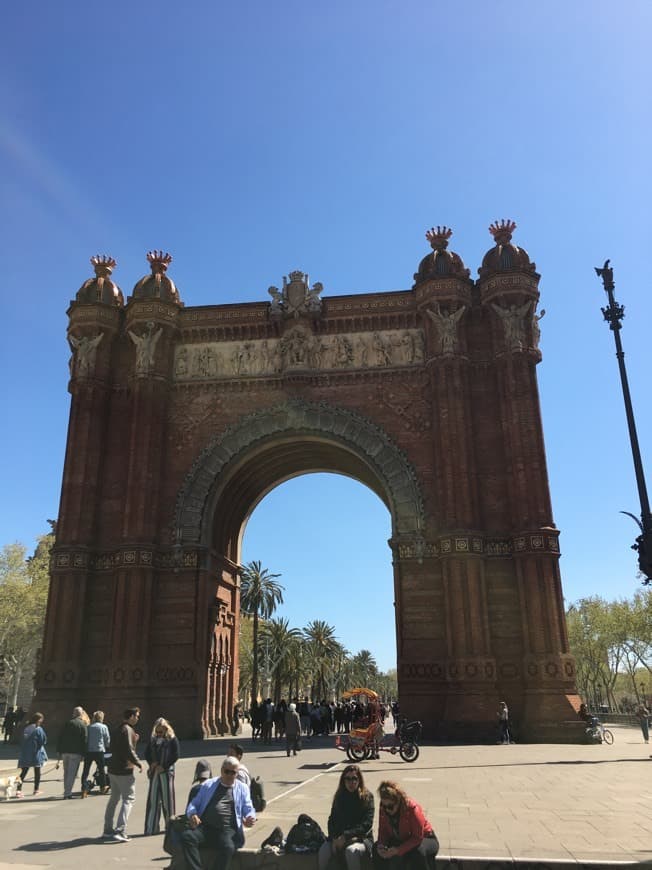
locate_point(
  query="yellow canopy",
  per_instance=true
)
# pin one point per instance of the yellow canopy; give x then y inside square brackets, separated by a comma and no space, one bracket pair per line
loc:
[368,693]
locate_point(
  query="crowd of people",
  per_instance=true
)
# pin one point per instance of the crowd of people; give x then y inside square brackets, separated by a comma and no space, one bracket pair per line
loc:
[269,720]
[219,808]
[84,741]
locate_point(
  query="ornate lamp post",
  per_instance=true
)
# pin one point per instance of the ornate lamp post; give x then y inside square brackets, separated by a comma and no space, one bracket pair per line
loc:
[613,314]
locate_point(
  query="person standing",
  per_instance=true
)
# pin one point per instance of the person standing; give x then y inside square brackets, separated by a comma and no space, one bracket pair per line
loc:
[71,747]
[243,773]
[217,814]
[268,721]
[292,730]
[503,722]
[161,754]
[122,764]
[350,821]
[643,715]
[32,753]
[406,838]
[235,724]
[8,724]
[98,741]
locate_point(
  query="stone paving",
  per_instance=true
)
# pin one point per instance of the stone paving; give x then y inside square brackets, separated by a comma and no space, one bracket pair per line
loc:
[541,802]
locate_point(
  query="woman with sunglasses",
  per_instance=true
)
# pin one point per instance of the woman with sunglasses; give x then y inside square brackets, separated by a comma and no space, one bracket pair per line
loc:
[161,754]
[405,836]
[351,821]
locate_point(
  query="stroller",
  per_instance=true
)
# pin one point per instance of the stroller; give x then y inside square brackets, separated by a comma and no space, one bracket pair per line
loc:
[99,779]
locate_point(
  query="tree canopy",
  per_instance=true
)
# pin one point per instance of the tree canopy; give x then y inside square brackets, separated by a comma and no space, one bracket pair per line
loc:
[612,645]
[23,598]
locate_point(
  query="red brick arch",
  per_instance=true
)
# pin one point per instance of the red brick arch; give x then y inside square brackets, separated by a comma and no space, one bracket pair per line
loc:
[183,418]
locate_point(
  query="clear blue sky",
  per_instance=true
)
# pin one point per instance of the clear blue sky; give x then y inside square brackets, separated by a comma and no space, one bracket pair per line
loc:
[253,138]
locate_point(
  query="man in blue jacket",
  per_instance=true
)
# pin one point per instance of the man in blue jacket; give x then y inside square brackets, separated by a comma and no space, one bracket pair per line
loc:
[217,815]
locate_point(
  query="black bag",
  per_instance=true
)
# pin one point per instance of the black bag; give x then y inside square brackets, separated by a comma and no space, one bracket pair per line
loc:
[305,836]
[175,827]
[257,790]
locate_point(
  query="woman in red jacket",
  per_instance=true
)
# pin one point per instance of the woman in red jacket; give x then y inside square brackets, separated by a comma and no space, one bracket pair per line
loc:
[405,836]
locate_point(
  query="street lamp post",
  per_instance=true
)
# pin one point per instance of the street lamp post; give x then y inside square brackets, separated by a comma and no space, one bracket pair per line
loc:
[613,314]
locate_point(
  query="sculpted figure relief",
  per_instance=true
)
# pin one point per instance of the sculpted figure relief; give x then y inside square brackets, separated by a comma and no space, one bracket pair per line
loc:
[85,352]
[343,351]
[298,348]
[313,302]
[512,318]
[277,300]
[536,329]
[145,347]
[295,349]
[446,326]
[407,348]
[381,350]
[181,366]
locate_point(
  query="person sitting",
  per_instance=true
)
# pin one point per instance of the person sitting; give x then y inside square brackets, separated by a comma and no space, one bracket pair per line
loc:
[217,815]
[406,838]
[203,771]
[585,716]
[350,821]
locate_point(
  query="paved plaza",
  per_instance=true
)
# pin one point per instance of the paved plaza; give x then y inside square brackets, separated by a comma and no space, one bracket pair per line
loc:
[546,802]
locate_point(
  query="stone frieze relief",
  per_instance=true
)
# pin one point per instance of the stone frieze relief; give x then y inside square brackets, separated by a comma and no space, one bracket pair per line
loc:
[298,350]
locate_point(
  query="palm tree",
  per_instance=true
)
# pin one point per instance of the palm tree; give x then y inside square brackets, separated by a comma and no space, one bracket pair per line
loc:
[259,596]
[364,668]
[323,646]
[279,639]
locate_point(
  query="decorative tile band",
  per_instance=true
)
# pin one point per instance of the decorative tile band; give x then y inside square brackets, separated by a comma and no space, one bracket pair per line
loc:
[419,548]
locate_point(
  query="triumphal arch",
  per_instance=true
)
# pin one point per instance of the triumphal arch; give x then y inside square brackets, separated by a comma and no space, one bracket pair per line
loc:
[182,418]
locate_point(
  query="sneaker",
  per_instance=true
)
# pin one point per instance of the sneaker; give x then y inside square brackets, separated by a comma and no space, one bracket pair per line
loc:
[108,835]
[38,793]
[120,837]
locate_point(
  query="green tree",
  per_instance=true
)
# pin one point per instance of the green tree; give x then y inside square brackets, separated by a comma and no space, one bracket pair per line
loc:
[279,643]
[323,647]
[23,599]
[260,594]
[364,669]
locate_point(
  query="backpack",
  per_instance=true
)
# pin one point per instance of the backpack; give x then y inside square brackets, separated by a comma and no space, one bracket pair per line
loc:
[257,790]
[305,836]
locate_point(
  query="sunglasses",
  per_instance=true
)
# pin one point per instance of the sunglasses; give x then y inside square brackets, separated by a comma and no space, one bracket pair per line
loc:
[388,805]
[351,779]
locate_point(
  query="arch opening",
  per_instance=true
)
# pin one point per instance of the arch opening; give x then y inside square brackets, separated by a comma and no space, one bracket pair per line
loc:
[326,535]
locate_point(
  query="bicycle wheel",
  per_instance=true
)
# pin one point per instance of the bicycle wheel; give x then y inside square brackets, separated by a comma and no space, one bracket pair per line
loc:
[607,736]
[409,751]
[357,753]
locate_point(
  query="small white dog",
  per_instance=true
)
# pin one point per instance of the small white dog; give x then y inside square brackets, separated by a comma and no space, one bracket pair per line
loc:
[9,787]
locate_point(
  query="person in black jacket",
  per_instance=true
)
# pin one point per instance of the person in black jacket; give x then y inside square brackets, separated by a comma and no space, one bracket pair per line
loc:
[71,747]
[350,824]
[122,764]
[162,753]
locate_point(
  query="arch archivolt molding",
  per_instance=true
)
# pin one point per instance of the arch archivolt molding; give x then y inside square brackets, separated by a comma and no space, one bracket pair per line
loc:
[299,418]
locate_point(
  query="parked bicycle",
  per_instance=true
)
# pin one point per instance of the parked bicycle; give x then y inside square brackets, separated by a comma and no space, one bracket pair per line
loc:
[597,733]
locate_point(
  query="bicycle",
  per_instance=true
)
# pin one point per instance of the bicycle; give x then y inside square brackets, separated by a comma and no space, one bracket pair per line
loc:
[599,734]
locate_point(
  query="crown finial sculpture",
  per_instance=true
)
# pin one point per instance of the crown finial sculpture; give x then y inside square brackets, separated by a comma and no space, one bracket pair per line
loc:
[438,237]
[159,261]
[502,231]
[103,265]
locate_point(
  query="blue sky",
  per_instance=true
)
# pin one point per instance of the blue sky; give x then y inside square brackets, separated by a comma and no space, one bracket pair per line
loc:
[254,138]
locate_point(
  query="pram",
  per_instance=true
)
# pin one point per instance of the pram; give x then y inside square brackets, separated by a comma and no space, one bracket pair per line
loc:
[99,780]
